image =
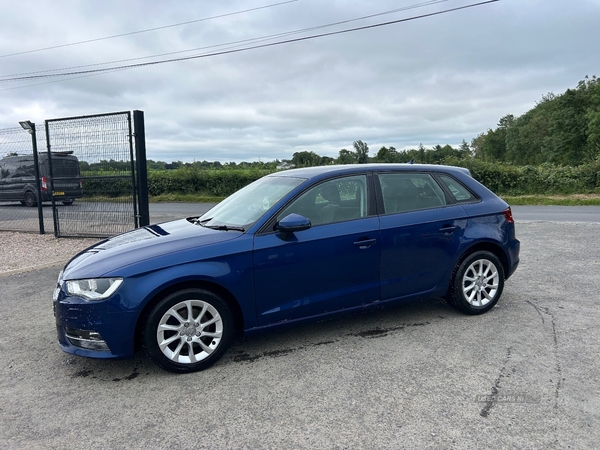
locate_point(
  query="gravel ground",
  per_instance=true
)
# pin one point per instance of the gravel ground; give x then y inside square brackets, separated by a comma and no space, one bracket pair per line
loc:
[417,375]
[26,251]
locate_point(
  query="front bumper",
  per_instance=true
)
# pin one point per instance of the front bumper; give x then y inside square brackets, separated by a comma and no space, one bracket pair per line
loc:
[87,329]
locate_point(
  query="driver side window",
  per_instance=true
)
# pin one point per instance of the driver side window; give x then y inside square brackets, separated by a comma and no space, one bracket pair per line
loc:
[332,201]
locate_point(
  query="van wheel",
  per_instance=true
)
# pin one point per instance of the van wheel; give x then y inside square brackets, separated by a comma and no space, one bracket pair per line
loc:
[30,199]
[67,203]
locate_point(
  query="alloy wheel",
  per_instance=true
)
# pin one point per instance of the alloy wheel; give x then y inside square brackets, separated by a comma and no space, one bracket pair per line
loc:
[189,332]
[480,282]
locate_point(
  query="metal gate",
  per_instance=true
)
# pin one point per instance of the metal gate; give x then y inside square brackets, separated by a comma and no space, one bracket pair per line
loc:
[92,175]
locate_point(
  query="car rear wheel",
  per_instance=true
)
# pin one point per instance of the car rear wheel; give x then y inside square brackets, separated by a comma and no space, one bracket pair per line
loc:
[477,283]
[30,199]
[188,331]
[67,202]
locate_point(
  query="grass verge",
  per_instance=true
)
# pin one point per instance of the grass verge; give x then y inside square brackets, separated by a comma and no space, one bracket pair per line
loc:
[185,198]
[555,200]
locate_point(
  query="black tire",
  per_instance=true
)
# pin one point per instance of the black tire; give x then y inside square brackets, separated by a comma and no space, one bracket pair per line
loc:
[188,349]
[67,202]
[477,283]
[30,199]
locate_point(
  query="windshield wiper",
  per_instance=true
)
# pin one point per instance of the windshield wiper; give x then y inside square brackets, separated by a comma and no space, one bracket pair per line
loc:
[203,222]
[224,227]
[197,221]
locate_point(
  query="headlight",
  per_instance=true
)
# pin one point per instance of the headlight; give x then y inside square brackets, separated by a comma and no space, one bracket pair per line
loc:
[59,284]
[94,288]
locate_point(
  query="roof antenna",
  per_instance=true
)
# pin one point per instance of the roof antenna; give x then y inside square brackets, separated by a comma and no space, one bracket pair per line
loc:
[412,161]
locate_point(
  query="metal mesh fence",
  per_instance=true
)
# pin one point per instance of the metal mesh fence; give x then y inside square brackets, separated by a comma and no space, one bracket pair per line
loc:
[14,215]
[100,200]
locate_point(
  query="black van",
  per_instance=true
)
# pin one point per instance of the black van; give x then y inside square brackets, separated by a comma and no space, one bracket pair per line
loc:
[17,178]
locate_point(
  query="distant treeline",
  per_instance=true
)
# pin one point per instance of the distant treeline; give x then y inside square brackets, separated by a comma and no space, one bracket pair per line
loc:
[561,129]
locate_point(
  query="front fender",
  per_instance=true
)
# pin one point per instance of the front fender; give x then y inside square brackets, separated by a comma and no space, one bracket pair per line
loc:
[139,290]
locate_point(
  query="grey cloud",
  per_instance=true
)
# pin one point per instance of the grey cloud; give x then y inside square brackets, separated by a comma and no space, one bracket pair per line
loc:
[433,81]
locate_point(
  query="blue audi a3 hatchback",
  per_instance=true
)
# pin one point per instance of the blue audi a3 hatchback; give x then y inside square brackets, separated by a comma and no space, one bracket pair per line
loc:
[293,246]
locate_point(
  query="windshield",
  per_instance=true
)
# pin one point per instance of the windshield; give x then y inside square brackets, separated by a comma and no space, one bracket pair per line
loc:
[247,205]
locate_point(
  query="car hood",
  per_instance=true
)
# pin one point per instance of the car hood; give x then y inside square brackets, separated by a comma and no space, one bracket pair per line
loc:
[141,245]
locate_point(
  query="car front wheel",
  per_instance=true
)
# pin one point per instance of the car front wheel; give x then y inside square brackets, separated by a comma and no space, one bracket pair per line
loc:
[477,283]
[188,331]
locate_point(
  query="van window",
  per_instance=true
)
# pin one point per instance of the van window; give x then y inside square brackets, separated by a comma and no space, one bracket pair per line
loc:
[61,167]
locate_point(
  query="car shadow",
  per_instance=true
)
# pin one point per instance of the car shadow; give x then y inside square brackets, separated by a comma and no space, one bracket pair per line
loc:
[372,324]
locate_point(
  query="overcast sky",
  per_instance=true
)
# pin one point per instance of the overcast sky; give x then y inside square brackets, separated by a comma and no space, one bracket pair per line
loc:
[433,80]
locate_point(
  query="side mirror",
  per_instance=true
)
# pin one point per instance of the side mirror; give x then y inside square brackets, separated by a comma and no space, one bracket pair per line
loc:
[293,223]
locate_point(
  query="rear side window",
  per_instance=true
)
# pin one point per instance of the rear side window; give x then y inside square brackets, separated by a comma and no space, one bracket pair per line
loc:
[16,168]
[460,193]
[26,168]
[404,192]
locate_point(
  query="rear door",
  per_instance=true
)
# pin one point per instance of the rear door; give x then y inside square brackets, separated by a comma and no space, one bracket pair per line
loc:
[65,171]
[420,233]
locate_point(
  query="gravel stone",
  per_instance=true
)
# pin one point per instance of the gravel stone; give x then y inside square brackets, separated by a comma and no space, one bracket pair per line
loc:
[26,251]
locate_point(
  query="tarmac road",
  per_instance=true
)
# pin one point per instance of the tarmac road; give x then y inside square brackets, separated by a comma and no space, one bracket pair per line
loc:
[556,213]
[419,375]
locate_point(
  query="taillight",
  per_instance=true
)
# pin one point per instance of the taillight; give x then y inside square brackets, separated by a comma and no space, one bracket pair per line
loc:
[44,184]
[80,184]
[508,215]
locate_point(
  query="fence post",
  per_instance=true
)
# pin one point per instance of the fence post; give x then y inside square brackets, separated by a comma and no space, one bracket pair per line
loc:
[141,167]
[51,173]
[30,127]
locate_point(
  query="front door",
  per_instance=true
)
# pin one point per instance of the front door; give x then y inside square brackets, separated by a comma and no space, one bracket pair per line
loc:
[331,266]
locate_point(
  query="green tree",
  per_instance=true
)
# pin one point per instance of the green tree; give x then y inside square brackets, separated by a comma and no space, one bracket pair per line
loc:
[347,157]
[592,117]
[306,159]
[465,149]
[386,155]
[362,152]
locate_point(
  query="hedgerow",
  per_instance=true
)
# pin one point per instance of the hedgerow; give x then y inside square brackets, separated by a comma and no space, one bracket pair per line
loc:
[188,180]
[503,179]
[546,178]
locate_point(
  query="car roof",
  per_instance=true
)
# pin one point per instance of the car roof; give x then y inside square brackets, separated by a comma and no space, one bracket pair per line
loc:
[322,171]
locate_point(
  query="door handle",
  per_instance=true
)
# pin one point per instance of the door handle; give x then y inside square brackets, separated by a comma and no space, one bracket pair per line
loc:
[365,243]
[448,229]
